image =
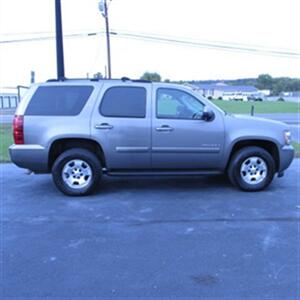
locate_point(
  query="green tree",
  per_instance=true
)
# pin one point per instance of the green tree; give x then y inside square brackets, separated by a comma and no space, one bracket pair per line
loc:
[151,76]
[98,75]
[264,82]
[285,84]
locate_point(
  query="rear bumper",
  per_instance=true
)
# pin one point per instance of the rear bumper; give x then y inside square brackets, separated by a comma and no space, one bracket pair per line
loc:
[32,157]
[286,154]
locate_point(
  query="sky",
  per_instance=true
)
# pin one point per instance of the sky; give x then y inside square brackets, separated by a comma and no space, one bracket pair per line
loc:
[271,24]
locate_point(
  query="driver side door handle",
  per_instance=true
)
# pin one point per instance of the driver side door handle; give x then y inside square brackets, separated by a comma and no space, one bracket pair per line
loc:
[104,126]
[165,128]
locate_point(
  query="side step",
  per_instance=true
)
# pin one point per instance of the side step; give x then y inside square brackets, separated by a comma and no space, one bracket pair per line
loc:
[161,173]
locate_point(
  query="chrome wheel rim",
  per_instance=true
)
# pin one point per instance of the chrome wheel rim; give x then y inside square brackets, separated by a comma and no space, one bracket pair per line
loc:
[254,170]
[77,174]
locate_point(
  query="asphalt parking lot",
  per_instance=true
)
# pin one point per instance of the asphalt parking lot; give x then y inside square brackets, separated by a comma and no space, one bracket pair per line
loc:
[160,238]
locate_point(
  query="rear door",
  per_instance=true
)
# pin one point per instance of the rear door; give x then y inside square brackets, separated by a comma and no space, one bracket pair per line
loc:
[121,123]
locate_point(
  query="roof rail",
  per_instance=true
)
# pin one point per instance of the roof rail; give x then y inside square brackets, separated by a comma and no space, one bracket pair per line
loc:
[142,80]
[135,80]
[99,79]
[55,80]
[65,79]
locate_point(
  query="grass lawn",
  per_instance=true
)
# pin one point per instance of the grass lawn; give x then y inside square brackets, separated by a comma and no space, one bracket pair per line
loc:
[239,107]
[6,139]
[297,149]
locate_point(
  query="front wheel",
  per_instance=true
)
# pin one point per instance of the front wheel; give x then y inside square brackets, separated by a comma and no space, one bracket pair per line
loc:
[251,169]
[76,172]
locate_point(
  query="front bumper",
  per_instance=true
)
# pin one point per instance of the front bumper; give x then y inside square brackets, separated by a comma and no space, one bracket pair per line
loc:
[286,155]
[32,157]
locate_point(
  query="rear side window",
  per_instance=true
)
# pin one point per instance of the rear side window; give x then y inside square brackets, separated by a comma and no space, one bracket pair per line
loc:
[126,102]
[58,100]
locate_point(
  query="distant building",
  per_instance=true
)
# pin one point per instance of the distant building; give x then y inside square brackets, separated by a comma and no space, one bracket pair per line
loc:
[229,92]
[11,96]
[290,96]
[265,92]
[8,100]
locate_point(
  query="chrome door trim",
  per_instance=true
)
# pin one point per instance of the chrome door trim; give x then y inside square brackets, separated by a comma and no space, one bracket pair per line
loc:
[186,149]
[132,149]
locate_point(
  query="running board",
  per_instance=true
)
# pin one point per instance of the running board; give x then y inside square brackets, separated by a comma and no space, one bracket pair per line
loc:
[162,173]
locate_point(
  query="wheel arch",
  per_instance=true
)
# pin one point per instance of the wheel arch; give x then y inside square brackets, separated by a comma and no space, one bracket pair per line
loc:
[60,145]
[268,145]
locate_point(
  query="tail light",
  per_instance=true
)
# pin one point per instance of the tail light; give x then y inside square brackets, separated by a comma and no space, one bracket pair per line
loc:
[18,128]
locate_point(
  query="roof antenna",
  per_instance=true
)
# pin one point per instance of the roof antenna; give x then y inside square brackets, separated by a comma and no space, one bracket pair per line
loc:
[59,42]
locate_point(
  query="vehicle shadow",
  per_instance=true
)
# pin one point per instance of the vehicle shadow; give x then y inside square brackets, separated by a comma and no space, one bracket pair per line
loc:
[162,184]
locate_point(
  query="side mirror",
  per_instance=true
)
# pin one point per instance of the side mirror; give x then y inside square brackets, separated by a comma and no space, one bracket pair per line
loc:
[208,115]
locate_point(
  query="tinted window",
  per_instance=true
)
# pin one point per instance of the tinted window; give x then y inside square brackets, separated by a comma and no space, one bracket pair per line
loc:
[58,100]
[124,102]
[177,104]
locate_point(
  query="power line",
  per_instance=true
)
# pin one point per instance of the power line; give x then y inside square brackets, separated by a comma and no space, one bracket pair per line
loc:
[50,37]
[214,45]
[90,31]
[217,45]
[87,32]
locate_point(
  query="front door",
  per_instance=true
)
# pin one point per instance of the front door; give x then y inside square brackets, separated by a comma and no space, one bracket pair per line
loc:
[121,124]
[180,138]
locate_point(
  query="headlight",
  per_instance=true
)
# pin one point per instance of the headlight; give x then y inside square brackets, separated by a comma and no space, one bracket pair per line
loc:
[287,137]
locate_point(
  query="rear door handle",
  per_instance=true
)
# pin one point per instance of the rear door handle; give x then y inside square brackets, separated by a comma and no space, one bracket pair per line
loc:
[164,128]
[104,126]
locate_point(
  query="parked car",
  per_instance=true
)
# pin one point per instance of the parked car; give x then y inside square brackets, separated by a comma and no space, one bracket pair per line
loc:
[82,129]
[253,98]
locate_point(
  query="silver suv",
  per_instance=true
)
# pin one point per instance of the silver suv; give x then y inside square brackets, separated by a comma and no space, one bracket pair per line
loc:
[81,129]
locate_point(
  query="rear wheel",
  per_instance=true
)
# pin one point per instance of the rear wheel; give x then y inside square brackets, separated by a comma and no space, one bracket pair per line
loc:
[251,169]
[76,172]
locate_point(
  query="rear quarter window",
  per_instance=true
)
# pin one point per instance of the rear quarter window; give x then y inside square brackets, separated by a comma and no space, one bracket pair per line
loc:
[58,100]
[124,102]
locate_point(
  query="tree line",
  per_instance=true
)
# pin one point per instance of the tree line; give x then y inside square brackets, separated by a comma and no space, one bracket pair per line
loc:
[263,82]
[277,85]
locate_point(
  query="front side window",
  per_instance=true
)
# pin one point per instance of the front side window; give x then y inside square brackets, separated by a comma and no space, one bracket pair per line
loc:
[124,102]
[177,104]
[58,100]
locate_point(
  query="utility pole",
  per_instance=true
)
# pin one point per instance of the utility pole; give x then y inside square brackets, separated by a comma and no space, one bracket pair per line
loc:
[32,77]
[59,42]
[104,11]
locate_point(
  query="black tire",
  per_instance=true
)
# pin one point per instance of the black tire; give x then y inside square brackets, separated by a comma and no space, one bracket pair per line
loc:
[240,157]
[90,161]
